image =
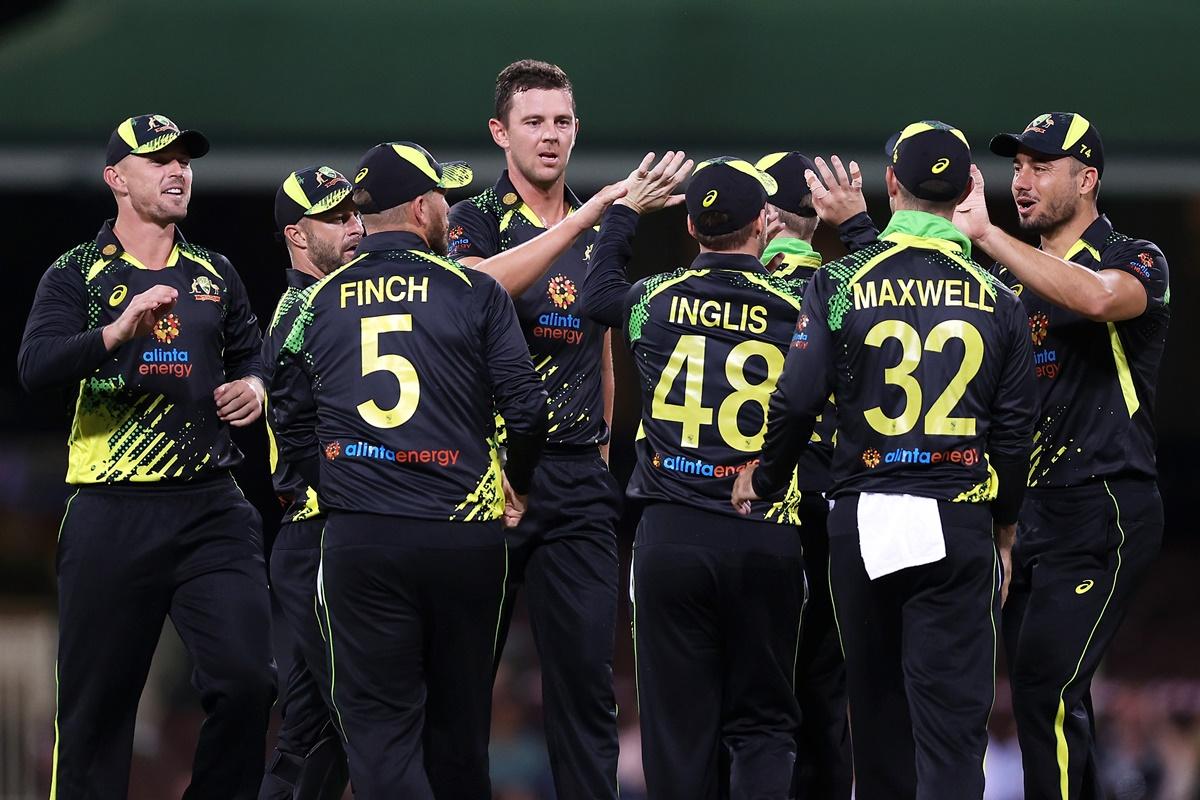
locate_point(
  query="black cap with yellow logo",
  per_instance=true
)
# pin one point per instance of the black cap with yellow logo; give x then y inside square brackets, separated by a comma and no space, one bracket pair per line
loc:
[395,172]
[931,159]
[309,191]
[1056,135]
[736,189]
[149,133]
[788,171]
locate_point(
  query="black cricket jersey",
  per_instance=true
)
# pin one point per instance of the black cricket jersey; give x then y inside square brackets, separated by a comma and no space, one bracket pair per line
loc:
[409,356]
[1096,381]
[288,383]
[709,342]
[928,357]
[145,411]
[798,261]
[565,345]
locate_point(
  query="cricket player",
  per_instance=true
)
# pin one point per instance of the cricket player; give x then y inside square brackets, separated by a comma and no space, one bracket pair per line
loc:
[928,359]
[156,336]
[1098,306]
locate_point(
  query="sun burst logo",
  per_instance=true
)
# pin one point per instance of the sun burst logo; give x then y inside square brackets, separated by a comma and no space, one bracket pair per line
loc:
[656,461]
[166,329]
[561,291]
[1039,326]
[871,458]
[333,450]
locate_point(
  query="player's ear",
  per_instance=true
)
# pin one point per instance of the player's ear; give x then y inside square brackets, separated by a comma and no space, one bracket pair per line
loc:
[1089,177]
[691,228]
[114,180]
[499,133]
[294,235]
[889,178]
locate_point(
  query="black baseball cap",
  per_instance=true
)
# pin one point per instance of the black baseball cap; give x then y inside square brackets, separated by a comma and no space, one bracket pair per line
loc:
[309,191]
[931,159]
[788,171]
[1056,135]
[149,133]
[396,172]
[736,188]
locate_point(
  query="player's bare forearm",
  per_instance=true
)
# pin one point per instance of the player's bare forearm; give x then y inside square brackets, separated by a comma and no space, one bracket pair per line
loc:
[1106,296]
[522,266]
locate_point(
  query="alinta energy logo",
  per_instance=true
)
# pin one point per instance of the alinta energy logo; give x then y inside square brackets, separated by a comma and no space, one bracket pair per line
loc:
[567,328]
[800,337]
[1045,360]
[379,452]
[967,456]
[170,361]
[696,467]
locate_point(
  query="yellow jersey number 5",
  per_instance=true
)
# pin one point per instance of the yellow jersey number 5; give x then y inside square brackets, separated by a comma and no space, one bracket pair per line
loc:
[397,365]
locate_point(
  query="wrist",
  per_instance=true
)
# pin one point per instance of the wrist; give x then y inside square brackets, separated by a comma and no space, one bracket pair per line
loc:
[627,203]
[256,387]
[112,336]
[987,236]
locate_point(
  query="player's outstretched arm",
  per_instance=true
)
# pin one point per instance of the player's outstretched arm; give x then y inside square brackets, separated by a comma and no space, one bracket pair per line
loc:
[838,199]
[799,397]
[1107,295]
[522,266]
[648,189]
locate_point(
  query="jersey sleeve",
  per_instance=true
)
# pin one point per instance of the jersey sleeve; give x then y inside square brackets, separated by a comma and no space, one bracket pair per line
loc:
[473,232]
[800,395]
[291,406]
[606,285]
[57,348]
[290,403]
[243,341]
[1144,261]
[858,232]
[517,390]
[1013,415]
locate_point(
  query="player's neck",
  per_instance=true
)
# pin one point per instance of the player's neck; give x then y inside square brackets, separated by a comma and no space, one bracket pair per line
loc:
[548,202]
[301,264]
[1060,240]
[374,225]
[149,242]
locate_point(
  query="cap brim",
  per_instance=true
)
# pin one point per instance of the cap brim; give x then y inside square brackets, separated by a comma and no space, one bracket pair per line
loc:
[330,201]
[455,175]
[194,143]
[1007,145]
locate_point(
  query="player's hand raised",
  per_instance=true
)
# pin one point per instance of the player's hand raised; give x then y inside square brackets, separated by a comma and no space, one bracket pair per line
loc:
[971,216]
[836,195]
[743,490]
[650,188]
[140,316]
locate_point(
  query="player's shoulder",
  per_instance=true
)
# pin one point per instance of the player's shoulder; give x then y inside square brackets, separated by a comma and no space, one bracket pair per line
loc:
[1140,254]
[484,206]
[79,258]
[646,288]
[207,259]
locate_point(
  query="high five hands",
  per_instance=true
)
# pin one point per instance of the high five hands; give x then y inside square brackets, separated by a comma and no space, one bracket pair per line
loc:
[649,188]
[836,195]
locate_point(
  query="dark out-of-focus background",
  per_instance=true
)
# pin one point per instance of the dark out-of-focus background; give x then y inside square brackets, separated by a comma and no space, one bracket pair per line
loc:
[280,84]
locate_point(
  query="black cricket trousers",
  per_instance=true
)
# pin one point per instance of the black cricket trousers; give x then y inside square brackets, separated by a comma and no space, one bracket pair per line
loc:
[128,557]
[309,762]
[1080,555]
[920,647]
[413,608]
[717,604]
[564,556]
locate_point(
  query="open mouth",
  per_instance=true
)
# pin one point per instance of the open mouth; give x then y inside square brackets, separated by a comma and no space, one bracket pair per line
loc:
[549,159]
[174,191]
[1025,205]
